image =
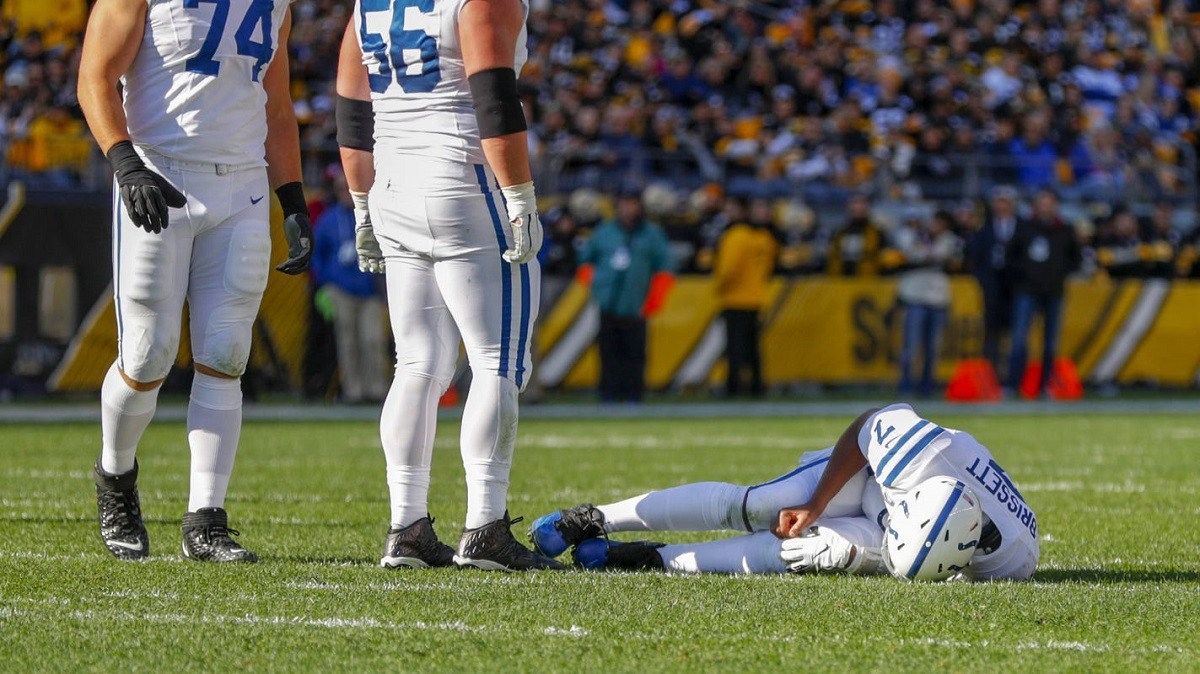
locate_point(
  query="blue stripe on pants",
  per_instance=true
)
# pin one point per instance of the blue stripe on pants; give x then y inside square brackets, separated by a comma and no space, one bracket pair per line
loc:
[505,272]
[523,341]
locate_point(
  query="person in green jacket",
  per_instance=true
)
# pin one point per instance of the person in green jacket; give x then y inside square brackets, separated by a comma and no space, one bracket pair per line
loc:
[628,263]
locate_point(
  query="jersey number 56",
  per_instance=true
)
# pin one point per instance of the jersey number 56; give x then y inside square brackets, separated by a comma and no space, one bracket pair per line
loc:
[406,52]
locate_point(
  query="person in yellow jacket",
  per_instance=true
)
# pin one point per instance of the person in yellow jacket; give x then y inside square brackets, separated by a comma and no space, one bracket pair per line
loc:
[746,255]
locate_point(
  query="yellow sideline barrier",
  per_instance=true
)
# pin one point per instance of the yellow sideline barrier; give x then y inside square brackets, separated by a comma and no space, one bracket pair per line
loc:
[817,329]
[279,332]
[849,331]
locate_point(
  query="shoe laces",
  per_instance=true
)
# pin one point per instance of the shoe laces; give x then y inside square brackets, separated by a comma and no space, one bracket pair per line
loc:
[121,509]
[217,532]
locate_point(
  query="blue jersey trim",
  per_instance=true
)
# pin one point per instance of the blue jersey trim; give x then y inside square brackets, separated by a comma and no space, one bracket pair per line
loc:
[912,454]
[899,444]
[935,531]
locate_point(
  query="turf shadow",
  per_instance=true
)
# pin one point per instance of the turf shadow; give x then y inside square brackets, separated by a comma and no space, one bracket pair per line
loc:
[1116,576]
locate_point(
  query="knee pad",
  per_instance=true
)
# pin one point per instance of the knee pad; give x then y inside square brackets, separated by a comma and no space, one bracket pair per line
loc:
[148,346]
[226,344]
[216,393]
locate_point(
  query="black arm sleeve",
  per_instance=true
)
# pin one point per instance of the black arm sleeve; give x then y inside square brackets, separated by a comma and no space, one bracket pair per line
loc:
[497,102]
[355,124]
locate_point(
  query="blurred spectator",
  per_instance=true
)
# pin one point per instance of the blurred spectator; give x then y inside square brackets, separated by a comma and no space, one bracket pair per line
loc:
[57,24]
[1164,240]
[987,254]
[746,258]
[353,297]
[1033,154]
[929,248]
[628,263]
[1119,252]
[1042,253]
[855,249]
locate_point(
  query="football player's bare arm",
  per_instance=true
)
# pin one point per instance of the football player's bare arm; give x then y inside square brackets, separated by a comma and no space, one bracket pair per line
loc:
[488,31]
[845,461]
[283,134]
[110,45]
[356,144]
[282,150]
[357,162]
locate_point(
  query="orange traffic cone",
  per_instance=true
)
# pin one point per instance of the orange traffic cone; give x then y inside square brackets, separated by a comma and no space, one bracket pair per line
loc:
[1064,381]
[449,398]
[974,381]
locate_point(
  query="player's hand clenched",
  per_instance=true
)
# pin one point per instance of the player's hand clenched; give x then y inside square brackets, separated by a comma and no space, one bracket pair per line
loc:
[526,226]
[795,520]
[370,256]
[146,194]
[297,228]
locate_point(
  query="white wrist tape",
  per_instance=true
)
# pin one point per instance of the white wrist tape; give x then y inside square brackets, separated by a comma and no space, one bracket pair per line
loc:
[520,199]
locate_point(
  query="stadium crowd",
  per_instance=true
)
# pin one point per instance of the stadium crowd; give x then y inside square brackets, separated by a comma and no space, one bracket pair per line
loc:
[801,103]
[868,138]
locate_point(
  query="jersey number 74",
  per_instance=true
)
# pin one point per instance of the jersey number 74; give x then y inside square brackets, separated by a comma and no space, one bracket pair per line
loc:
[258,15]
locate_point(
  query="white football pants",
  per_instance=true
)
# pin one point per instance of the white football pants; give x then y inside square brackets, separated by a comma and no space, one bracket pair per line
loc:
[443,228]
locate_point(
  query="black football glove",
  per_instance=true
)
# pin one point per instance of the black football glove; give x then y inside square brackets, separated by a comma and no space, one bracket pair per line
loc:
[296,227]
[145,193]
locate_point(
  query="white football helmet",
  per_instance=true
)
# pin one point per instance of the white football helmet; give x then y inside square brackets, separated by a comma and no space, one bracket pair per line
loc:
[933,531]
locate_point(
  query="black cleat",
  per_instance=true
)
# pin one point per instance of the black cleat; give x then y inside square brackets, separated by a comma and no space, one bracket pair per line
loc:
[601,553]
[416,546]
[492,547]
[121,525]
[552,534]
[206,538]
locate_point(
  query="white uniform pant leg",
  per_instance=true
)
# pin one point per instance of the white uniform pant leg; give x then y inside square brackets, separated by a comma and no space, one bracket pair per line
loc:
[495,305]
[701,506]
[150,283]
[426,352]
[747,554]
[763,502]
[230,264]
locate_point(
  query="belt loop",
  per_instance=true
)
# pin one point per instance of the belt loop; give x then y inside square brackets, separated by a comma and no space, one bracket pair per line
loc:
[222,169]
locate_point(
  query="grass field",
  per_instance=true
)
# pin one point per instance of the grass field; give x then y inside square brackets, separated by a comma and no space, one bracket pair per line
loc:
[1118,589]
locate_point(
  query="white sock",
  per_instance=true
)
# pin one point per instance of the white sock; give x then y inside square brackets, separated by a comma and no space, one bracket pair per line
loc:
[124,415]
[489,434]
[214,425]
[406,429]
[702,506]
[751,553]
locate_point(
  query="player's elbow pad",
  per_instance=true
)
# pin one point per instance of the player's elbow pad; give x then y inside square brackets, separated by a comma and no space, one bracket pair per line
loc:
[497,102]
[355,124]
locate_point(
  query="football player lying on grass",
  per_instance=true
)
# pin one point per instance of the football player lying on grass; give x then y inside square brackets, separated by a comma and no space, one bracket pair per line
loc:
[897,494]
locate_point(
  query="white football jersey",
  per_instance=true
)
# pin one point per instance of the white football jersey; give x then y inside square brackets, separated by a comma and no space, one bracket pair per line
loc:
[903,450]
[194,91]
[423,106]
